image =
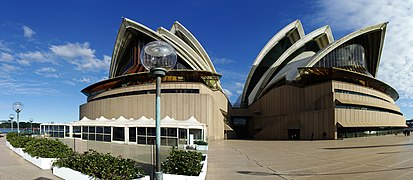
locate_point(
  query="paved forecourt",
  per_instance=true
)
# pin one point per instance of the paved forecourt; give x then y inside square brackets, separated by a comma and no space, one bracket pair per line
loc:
[382,157]
[13,166]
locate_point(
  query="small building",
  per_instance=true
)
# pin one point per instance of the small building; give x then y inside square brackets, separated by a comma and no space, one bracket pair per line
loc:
[129,131]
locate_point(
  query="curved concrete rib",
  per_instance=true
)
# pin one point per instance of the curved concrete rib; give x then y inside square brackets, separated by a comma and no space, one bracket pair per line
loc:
[188,52]
[264,81]
[294,29]
[191,57]
[375,62]
[190,39]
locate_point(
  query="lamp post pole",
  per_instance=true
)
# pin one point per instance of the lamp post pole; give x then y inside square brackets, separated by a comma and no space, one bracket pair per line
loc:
[31,124]
[11,116]
[158,57]
[17,106]
[158,73]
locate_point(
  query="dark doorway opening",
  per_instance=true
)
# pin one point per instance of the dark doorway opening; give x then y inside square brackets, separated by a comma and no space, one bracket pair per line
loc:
[294,134]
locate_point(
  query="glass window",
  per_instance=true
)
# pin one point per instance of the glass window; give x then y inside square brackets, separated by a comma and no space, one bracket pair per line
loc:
[197,133]
[141,131]
[141,140]
[99,137]
[92,137]
[84,136]
[163,131]
[76,129]
[172,142]
[92,129]
[182,133]
[163,141]
[107,138]
[107,130]
[151,131]
[150,141]
[99,129]
[118,134]
[132,134]
[84,129]
[172,132]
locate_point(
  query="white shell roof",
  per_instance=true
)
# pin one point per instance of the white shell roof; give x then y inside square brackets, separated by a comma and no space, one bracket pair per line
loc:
[186,45]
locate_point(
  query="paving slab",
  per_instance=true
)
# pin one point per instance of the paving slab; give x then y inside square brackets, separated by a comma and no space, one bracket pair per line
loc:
[380,157]
[13,166]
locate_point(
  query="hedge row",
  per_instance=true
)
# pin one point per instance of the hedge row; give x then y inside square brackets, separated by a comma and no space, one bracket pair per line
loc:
[102,166]
[183,163]
[92,163]
[39,147]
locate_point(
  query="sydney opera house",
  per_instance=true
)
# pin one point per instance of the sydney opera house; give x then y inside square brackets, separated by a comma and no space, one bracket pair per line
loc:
[122,108]
[309,86]
[300,86]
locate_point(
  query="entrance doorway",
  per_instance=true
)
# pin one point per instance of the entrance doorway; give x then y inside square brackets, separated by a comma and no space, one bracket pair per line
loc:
[294,134]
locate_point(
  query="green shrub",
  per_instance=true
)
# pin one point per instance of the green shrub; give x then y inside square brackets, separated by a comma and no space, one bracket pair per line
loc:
[102,166]
[183,163]
[11,135]
[20,141]
[47,148]
[201,143]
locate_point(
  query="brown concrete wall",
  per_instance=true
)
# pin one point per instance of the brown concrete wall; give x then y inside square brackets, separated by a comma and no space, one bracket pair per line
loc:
[205,107]
[309,109]
[312,110]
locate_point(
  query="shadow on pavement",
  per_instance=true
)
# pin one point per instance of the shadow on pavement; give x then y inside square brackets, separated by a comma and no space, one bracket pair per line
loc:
[343,173]
[375,146]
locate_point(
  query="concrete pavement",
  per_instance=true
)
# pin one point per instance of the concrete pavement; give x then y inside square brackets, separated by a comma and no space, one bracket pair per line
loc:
[382,157]
[14,167]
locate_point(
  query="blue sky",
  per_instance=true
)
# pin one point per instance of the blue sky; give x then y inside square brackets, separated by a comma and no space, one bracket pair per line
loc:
[50,50]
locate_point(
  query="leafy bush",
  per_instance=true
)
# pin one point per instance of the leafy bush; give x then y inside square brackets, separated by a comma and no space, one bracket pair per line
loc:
[20,141]
[201,143]
[183,163]
[46,148]
[102,166]
[11,135]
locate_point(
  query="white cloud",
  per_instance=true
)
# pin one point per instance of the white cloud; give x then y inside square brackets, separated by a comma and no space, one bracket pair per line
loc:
[85,80]
[221,61]
[11,87]
[28,32]
[227,92]
[23,62]
[9,68]
[81,55]
[397,58]
[47,72]
[239,85]
[69,82]
[36,56]
[3,47]
[6,57]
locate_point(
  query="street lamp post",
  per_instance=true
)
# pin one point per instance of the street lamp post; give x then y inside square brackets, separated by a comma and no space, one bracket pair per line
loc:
[158,57]
[11,116]
[18,107]
[31,124]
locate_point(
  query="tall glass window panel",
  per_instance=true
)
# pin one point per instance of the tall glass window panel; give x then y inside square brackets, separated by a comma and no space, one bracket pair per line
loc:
[151,131]
[172,132]
[132,134]
[107,130]
[118,133]
[142,131]
[197,133]
[99,129]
